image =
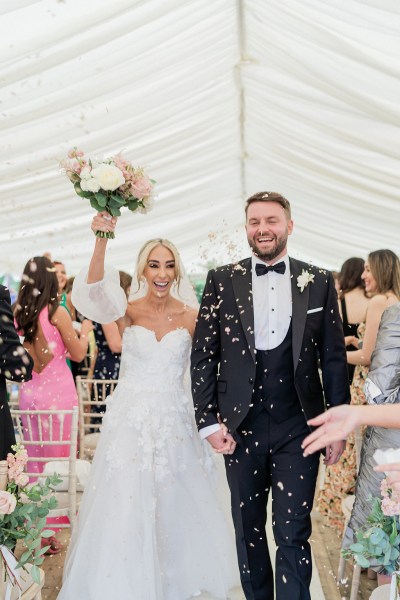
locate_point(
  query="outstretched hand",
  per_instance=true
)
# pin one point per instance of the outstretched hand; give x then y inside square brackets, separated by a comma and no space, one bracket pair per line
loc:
[334,425]
[103,222]
[222,441]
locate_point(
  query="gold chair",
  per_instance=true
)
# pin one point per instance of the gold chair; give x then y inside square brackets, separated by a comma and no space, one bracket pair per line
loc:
[31,434]
[92,395]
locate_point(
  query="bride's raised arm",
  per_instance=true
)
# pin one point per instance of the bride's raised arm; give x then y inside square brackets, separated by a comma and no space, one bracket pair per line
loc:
[101,222]
[96,292]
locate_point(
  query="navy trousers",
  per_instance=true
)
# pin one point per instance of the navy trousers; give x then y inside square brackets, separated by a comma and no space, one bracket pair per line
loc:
[269,457]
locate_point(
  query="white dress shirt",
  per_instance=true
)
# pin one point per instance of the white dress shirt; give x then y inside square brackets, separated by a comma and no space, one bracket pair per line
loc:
[272,306]
[272,302]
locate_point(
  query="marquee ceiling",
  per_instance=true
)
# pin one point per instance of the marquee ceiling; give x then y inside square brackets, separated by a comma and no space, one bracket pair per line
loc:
[218,99]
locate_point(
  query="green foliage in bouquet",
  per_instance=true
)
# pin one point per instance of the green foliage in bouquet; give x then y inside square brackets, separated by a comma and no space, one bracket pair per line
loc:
[378,543]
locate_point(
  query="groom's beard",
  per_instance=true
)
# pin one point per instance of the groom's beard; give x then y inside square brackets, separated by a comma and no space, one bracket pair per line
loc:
[280,245]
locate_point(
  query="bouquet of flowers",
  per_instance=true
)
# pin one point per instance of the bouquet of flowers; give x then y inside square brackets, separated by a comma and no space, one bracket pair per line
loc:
[109,184]
[23,511]
[378,543]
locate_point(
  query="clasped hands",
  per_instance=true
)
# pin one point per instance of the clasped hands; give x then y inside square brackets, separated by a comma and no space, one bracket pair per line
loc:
[221,441]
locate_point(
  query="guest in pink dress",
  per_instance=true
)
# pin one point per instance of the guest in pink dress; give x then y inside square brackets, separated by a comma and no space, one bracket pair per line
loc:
[48,337]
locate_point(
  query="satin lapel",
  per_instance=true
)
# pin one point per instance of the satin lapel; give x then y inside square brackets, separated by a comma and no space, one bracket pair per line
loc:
[242,288]
[299,311]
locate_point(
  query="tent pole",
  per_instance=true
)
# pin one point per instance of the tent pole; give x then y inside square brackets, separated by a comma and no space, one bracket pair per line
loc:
[241,28]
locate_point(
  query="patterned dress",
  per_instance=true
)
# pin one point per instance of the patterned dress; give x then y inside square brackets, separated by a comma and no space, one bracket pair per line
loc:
[340,479]
[106,367]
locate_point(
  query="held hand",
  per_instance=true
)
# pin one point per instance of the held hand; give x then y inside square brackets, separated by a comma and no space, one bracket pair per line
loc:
[394,474]
[334,425]
[222,441]
[351,340]
[333,452]
[86,327]
[103,222]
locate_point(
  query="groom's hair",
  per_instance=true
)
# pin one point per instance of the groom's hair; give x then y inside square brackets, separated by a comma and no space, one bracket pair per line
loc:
[270,197]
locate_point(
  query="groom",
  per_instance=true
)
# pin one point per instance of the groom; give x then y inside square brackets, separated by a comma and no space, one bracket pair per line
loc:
[266,324]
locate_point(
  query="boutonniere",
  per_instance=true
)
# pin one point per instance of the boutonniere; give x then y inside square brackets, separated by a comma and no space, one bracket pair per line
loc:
[304,279]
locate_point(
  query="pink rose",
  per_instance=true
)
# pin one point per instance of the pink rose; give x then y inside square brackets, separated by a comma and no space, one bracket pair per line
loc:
[8,503]
[141,187]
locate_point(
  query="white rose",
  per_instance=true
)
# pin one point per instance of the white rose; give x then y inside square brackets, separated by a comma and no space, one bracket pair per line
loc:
[109,177]
[90,185]
[387,457]
[8,503]
[304,279]
[148,204]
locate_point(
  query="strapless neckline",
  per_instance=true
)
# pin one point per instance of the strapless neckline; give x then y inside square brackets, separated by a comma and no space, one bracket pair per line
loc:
[153,333]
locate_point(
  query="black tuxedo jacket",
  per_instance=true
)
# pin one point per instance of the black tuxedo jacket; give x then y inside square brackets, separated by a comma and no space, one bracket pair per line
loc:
[223,363]
[15,364]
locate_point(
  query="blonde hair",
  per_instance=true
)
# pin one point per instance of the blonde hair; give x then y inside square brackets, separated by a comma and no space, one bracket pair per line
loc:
[145,252]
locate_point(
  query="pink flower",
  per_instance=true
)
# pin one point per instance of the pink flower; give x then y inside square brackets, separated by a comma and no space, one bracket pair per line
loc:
[141,187]
[8,502]
[120,162]
[22,480]
[390,500]
[75,153]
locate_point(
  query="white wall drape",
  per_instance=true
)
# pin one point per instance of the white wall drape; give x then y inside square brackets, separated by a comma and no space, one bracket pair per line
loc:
[217,99]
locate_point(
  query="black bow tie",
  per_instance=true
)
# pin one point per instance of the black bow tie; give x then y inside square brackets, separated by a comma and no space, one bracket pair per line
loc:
[278,268]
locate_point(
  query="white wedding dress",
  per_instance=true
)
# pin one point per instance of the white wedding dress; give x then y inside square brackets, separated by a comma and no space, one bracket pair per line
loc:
[150,527]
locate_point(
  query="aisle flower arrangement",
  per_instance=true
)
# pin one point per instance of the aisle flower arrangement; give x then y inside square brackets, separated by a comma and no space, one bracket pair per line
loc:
[23,511]
[378,543]
[109,184]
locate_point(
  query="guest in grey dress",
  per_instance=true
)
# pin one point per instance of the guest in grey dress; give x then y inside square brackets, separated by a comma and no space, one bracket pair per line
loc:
[382,387]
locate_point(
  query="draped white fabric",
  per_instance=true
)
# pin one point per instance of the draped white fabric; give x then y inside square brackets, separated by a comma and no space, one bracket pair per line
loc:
[218,99]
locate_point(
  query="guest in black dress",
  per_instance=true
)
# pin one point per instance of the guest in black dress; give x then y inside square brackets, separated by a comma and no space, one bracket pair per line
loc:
[353,301]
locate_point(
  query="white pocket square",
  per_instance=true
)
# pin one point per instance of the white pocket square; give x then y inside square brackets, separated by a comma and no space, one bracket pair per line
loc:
[313,310]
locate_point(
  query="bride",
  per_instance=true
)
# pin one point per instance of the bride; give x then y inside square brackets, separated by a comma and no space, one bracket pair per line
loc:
[149,527]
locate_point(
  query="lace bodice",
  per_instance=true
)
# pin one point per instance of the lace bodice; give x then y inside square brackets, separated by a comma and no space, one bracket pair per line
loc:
[150,398]
[155,363]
